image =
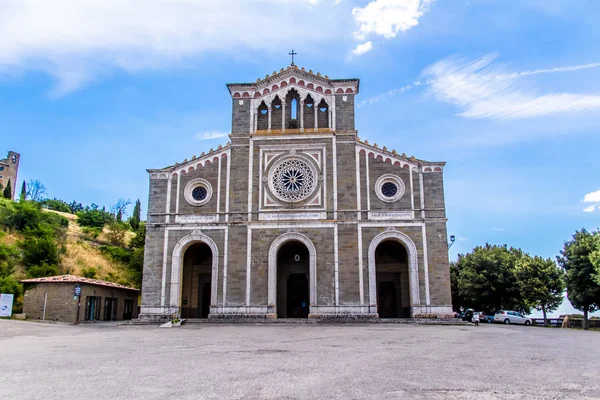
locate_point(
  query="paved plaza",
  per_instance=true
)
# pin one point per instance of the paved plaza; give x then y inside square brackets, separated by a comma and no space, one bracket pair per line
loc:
[296,361]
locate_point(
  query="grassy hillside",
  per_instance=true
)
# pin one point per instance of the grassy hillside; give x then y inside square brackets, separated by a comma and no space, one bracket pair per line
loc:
[83,254]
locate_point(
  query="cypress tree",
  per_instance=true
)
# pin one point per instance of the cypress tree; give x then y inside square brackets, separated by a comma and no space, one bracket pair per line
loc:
[24,191]
[135,219]
[8,191]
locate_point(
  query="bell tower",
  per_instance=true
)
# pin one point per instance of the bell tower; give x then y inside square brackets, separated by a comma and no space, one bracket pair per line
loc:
[293,101]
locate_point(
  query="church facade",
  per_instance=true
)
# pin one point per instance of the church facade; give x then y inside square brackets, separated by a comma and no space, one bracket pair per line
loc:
[296,217]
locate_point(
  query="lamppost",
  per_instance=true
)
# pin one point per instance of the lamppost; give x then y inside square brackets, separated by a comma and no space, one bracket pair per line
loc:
[452,240]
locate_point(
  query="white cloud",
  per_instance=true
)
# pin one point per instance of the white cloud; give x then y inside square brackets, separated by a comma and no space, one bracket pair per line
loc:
[388,17]
[363,48]
[593,197]
[483,91]
[78,41]
[209,135]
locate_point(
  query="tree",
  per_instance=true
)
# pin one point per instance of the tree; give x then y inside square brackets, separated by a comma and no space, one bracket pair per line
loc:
[116,233]
[542,283]
[486,279]
[8,191]
[458,303]
[135,219]
[23,191]
[119,208]
[580,274]
[35,190]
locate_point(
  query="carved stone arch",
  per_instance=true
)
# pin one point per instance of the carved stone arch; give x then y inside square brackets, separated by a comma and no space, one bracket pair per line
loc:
[413,264]
[312,266]
[177,266]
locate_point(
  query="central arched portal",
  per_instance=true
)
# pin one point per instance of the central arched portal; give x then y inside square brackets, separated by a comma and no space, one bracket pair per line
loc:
[196,282]
[393,281]
[293,280]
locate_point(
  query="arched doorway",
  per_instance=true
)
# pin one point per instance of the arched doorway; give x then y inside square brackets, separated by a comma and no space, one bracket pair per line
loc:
[196,284]
[293,277]
[392,280]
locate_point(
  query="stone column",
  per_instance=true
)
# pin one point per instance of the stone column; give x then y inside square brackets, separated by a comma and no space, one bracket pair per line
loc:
[283,116]
[301,115]
[316,116]
[255,120]
[269,112]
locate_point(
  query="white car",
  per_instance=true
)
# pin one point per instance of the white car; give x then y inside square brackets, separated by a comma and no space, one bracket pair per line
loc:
[511,317]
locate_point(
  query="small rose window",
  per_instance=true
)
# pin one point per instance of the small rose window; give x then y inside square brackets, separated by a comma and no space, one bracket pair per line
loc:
[198,192]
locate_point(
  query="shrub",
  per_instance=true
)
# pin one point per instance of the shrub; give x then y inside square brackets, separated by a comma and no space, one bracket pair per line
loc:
[42,270]
[118,254]
[116,233]
[38,250]
[92,232]
[90,272]
[56,205]
[94,218]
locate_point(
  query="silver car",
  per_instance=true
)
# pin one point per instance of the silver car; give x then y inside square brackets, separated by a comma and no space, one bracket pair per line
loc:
[511,317]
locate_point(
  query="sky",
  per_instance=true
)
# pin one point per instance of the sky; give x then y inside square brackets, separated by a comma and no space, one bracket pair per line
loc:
[506,92]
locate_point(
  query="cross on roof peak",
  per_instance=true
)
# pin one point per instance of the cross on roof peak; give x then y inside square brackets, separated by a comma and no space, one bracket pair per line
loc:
[293,53]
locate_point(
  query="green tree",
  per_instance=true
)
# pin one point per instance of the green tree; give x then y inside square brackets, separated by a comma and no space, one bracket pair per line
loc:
[140,237]
[39,250]
[486,278]
[458,303]
[93,217]
[116,233]
[542,283]
[24,191]
[576,257]
[8,191]
[135,219]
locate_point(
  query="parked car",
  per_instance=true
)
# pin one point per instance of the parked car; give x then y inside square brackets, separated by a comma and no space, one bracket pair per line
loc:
[486,318]
[511,317]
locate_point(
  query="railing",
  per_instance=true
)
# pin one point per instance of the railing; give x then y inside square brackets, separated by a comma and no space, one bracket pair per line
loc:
[572,322]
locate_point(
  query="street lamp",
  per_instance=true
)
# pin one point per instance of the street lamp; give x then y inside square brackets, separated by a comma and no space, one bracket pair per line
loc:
[452,240]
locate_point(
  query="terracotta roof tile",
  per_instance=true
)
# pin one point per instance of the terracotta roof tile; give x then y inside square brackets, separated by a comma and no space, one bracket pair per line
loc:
[76,279]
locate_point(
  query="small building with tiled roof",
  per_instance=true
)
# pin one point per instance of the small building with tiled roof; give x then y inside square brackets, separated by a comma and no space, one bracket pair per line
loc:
[70,298]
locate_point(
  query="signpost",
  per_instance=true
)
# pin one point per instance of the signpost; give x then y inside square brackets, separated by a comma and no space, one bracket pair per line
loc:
[6,303]
[77,296]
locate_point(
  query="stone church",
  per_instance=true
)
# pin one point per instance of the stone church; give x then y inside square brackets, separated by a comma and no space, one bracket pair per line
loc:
[296,217]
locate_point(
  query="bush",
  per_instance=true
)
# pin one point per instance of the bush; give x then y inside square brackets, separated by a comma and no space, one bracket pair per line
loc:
[139,239]
[94,218]
[90,272]
[92,232]
[116,233]
[38,250]
[118,254]
[42,270]
[56,205]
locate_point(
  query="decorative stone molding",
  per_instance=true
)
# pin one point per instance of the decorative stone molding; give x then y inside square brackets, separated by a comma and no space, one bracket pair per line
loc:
[193,184]
[291,216]
[312,257]
[177,268]
[413,264]
[196,219]
[393,179]
[391,215]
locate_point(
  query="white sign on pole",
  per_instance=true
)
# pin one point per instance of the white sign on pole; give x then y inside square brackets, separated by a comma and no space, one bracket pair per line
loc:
[6,303]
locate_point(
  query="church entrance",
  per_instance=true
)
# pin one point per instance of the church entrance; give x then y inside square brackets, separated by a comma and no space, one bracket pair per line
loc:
[393,290]
[196,281]
[293,289]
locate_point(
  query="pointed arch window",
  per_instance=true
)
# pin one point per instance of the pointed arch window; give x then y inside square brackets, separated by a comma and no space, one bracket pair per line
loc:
[294,109]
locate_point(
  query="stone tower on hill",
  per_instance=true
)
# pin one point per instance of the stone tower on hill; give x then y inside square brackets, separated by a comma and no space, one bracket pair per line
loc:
[9,168]
[296,217]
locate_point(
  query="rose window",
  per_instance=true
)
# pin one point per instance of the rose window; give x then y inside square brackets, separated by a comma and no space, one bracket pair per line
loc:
[389,189]
[293,179]
[199,193]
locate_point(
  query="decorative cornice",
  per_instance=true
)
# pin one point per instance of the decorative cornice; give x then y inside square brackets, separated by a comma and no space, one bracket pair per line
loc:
[187,165]
[399,159]
[278,80]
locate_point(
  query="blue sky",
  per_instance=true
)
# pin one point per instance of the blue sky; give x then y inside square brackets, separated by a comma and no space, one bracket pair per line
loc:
[507,92]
